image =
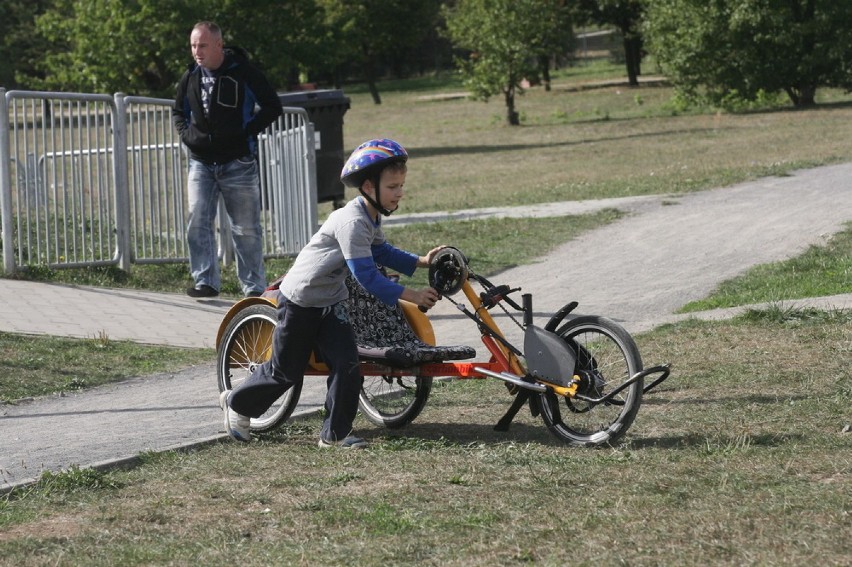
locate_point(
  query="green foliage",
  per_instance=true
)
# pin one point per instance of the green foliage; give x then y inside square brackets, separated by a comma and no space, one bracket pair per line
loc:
[729,50]
[282,37]
[19,46]
[74,479]
[392,28]
[364,33]
[111,45]
[143,46]
[504,40]
[627,16]
[779,314]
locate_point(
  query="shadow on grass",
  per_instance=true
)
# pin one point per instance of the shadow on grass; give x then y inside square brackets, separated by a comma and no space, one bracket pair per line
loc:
[460,435]
[469,433]
[430,151]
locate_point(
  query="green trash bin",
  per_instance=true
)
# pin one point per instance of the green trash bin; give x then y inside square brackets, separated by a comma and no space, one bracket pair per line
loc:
[325,110]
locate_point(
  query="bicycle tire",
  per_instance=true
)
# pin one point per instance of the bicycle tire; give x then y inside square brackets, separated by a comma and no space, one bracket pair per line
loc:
[606,351]
[247,343]
[394,402]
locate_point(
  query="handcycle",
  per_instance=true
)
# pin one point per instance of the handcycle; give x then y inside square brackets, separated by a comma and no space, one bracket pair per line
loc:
[582,375]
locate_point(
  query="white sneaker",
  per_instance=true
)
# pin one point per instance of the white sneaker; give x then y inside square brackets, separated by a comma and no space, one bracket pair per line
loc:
[236,425]
[349,442]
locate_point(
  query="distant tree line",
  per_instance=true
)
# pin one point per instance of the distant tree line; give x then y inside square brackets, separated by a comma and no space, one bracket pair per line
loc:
[714,50]
[142,46]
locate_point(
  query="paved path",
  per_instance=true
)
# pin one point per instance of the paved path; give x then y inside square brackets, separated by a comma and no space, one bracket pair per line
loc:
[639,270]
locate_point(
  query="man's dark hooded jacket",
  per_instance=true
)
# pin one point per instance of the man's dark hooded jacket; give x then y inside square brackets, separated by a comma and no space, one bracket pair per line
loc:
[230,130]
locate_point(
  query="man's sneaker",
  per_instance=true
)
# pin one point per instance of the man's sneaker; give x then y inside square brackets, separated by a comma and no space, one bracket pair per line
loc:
[236,425]
[349,442]
[203,290]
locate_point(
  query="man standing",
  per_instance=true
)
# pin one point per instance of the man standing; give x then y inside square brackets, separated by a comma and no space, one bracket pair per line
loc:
[214,114]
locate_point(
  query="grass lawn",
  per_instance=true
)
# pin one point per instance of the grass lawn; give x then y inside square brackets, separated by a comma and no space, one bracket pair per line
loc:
[740,458]
[588,143]
[819,271]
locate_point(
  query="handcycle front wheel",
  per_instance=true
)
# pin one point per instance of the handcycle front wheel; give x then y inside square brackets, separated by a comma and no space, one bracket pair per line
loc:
[246,344]
[394,401]
[607,356]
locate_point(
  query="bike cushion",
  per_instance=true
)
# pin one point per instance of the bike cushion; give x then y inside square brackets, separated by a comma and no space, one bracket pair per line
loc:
[383,334]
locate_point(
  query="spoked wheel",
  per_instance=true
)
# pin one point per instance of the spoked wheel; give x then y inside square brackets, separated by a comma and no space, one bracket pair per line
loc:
[606,357]
[394,401]
[246,344]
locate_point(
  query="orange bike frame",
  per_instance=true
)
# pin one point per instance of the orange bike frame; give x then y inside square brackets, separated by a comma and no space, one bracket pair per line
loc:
[502,359]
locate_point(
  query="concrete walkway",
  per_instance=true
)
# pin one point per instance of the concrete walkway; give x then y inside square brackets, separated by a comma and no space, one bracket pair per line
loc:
[670,250]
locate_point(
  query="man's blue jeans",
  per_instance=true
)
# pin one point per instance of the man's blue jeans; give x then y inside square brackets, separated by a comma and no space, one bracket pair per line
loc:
[239,184]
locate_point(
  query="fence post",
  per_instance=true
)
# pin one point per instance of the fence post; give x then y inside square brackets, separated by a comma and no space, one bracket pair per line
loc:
[6,188]
[311,158]
[122,184]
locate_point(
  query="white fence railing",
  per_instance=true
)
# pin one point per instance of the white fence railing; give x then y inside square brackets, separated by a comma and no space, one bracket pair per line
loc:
[89,179]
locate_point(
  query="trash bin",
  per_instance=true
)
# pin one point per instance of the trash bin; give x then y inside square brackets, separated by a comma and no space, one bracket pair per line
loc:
[325,110]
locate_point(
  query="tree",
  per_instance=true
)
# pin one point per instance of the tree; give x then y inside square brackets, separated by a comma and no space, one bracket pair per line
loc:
[556,41]
[627,16]
[367,32]
[284,38]
[142,47]
[109,45]
[721,50]
[19,45]
[505,40]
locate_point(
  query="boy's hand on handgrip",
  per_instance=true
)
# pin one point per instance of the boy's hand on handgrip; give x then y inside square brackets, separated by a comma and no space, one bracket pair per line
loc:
[423,298]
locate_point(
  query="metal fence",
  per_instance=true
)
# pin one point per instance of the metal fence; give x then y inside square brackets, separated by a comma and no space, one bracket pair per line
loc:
[89,179]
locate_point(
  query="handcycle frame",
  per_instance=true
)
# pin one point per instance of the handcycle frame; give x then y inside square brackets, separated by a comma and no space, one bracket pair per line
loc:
[582,391]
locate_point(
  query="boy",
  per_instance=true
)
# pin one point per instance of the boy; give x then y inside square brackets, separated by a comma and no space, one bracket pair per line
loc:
[311,309]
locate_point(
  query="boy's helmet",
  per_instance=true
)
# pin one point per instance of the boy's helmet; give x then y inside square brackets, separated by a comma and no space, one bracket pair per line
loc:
[370,158]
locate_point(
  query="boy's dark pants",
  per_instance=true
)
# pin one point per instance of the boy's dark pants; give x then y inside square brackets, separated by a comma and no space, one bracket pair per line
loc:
[298,332]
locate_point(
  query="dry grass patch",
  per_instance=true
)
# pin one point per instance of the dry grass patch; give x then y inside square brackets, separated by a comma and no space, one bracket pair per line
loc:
[605,142]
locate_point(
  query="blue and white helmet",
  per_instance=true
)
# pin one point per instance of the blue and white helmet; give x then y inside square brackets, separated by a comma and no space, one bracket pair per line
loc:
[370,158]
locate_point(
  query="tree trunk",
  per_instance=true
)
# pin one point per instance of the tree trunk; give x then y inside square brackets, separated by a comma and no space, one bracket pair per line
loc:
[633,59]
[805,17]
[803,97]
[370,75]
[511,114]
[544,66]
[374,90]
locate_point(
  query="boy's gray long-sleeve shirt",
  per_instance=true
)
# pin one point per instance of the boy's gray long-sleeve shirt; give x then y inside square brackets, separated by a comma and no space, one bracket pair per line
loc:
[317,278]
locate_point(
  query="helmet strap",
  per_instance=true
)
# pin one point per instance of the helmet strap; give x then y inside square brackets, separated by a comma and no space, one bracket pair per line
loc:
[375,202]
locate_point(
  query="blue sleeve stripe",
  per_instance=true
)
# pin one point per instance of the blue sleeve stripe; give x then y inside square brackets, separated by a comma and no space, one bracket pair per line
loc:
[248,107]
[394,258]
[365,271]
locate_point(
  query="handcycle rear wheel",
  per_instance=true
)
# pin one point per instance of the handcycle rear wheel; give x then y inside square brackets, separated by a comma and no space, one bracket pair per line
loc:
[246,344]
[394,402]
[606,356]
